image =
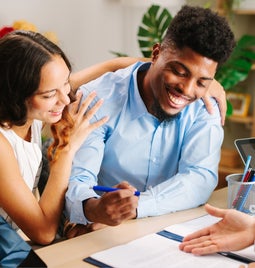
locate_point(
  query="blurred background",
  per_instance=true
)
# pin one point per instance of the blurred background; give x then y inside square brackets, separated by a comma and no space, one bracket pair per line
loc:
[87,30]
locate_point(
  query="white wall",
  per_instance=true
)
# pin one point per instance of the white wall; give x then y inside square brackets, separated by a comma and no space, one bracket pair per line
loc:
[87,29]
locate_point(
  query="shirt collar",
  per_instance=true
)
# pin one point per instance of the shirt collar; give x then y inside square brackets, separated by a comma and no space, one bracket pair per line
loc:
[136,104]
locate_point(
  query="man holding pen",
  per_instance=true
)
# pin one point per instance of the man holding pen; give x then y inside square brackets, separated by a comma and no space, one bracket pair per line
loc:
[159,140]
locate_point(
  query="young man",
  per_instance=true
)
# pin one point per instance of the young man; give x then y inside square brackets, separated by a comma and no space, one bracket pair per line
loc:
[159,140]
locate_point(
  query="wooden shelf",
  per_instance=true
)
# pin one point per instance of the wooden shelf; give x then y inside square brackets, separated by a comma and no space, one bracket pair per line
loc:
[229,170]
[224,172]
[240,119]
[244,11]
[220,8]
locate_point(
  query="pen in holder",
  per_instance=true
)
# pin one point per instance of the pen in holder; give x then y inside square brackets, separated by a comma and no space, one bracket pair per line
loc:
[241,194]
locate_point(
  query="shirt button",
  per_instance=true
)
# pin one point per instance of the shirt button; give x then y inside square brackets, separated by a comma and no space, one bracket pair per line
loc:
[154,159]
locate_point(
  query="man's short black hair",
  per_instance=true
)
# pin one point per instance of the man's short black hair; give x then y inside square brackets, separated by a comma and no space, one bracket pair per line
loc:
[202,30]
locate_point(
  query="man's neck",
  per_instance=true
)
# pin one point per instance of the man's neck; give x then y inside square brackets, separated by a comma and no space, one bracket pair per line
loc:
[144,89]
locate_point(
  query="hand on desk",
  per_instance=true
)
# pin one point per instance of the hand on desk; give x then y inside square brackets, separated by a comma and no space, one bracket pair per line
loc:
[114,207]
[235,231]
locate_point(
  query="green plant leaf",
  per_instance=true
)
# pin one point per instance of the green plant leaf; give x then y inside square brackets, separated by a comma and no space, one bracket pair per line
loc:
[238,66]
[229,109]
[152,29]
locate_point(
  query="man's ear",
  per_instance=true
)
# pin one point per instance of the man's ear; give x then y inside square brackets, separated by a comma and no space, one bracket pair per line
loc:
[155,52]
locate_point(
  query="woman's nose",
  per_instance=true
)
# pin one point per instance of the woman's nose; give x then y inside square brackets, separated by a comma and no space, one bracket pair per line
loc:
[64,98]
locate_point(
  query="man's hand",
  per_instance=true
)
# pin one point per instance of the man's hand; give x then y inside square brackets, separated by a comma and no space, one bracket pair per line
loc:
[114,207]
[216,91]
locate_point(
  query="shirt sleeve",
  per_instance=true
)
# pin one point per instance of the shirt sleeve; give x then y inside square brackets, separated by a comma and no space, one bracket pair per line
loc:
[197,174]
[88,159]
[86,165]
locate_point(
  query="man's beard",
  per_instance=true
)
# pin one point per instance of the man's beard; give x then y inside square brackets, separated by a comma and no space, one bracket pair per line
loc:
[161,114]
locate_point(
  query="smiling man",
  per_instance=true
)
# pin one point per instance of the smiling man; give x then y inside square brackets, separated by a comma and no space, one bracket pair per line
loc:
[159,139]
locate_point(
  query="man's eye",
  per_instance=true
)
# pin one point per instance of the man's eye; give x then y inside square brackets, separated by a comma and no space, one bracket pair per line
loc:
[177,72]
[201,84]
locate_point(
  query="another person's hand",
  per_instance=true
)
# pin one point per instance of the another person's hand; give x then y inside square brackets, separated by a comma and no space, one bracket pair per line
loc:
[216,91]
[114,207]
[234,232]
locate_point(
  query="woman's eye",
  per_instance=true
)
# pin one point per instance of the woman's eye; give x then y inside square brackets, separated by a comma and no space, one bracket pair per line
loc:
[49,95]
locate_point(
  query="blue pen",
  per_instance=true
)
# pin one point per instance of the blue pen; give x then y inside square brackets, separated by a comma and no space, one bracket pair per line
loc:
[247,164]
[110,189]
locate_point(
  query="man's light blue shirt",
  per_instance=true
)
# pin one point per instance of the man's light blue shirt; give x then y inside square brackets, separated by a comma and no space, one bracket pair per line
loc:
[174,164]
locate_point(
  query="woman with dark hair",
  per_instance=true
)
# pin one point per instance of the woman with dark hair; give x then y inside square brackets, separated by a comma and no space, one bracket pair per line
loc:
[35,87]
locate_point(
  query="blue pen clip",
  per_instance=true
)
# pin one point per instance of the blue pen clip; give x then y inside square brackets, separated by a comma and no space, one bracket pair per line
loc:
[171,235]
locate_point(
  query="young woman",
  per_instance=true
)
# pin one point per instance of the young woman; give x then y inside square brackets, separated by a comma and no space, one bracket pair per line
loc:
[35,87]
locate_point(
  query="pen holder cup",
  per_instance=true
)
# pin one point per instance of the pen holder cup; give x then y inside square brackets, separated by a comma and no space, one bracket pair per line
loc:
[241,195]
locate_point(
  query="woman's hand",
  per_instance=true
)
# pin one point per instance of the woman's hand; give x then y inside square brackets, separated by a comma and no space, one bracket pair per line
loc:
[216,91]
[81,117]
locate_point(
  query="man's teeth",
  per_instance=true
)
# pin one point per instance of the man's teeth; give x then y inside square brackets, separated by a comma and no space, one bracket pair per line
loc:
[178,101]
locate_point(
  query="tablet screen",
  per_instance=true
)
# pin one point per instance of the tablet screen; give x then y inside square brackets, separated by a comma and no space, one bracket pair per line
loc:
[246,147]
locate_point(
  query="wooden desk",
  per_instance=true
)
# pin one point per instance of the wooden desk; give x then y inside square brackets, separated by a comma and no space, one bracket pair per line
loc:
[70,253]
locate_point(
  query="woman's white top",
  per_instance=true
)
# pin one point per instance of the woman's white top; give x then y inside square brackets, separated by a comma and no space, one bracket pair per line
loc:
[29,157]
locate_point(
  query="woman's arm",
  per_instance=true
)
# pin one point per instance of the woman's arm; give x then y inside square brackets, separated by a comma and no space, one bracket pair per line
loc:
[81,77]
[90,73]
[39,220]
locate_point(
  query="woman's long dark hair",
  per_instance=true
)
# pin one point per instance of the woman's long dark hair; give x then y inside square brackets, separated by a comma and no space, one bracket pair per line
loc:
[22,56]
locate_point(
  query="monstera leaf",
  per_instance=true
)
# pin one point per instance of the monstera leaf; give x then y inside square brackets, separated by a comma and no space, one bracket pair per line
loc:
[153,26]
[238,66]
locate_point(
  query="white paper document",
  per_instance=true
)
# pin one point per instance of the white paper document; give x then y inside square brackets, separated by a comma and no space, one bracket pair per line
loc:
[154,250]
